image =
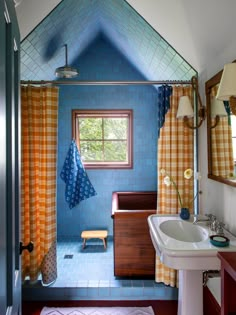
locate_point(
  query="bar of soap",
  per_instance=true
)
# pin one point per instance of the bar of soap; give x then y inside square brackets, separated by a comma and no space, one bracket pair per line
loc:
[219,240]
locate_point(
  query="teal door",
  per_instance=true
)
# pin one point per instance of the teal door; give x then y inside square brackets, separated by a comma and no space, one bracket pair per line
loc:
[10,283]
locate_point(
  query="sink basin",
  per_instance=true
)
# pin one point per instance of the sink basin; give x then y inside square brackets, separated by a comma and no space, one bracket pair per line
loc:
[183,231]
[186,247]
[183,245]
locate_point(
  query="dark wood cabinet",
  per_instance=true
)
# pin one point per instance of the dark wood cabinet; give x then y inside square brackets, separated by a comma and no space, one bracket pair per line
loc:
[228,282]
[210,305]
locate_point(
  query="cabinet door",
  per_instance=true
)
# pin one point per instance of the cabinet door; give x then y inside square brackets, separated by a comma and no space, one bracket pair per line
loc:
[10,284]
[3,230]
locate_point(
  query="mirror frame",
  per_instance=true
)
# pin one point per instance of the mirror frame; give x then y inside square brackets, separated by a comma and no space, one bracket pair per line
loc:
[208,85]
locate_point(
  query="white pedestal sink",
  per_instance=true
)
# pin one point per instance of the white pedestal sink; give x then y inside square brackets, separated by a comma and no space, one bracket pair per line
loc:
[186,247]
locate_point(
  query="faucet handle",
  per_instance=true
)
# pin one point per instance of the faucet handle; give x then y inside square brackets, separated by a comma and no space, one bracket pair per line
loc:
[211,217]
[214,223]
[219,228]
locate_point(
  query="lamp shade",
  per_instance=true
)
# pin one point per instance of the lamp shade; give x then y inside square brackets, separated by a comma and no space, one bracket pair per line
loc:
[217,108]
[227,87]
[184,108]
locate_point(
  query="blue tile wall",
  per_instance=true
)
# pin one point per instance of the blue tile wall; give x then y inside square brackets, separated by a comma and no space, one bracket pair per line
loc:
[102,61]
[77,22]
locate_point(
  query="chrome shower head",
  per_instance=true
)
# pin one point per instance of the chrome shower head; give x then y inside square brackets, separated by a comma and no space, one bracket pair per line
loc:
[66,71]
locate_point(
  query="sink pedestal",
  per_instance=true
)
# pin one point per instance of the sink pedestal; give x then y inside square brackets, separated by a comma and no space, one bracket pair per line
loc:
[190,299]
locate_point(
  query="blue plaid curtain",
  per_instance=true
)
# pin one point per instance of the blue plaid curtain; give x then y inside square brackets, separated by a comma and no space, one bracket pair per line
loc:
[228,111]
[163,102]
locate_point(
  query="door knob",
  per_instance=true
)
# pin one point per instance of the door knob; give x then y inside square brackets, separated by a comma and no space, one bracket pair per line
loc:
[29,247]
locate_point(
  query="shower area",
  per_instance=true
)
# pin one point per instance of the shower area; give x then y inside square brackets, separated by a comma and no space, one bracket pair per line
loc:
[94,265]
[96,213]
[90,271]
[101,53]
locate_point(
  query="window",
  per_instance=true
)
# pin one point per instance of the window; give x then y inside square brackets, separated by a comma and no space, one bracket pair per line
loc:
[104,137]
[233,125]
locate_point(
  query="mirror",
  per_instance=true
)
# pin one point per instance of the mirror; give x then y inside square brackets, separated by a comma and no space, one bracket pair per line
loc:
[221,136]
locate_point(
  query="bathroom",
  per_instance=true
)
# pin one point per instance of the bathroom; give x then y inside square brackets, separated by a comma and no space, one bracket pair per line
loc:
[216,198]
[104,60]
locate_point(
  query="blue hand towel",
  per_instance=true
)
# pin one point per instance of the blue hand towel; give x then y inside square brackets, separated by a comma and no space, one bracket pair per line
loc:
[78,185]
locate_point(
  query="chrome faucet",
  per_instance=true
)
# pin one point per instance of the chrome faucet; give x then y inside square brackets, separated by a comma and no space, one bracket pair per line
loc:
[214,224]
[210,218]
[220,228]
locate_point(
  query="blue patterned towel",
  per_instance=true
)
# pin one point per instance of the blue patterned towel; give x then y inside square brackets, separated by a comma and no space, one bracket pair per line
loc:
[78,185]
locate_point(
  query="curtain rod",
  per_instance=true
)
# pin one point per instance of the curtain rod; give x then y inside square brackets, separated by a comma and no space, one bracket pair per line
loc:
[61,82]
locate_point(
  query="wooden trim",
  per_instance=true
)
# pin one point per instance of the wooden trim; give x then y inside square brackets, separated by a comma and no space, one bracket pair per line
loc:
[222,180]
[208,86]
[106,165]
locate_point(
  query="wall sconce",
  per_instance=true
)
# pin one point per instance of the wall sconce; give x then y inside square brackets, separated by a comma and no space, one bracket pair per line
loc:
[227,87]
[217,111]
[185,108]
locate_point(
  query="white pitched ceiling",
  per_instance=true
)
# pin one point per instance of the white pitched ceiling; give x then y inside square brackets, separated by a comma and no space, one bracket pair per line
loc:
[198,29]
[31,12]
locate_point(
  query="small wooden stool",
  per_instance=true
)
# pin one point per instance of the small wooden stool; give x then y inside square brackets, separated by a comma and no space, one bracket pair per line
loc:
[102,234]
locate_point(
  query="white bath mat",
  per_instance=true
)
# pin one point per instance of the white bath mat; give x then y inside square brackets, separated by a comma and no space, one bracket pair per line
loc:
[97,311]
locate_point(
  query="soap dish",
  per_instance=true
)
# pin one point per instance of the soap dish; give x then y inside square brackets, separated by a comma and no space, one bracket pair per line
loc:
[219,240]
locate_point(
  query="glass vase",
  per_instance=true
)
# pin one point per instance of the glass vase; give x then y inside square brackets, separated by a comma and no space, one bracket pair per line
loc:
[184,213]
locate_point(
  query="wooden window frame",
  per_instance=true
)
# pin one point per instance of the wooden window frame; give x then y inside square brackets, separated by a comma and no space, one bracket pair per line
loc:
[114,112]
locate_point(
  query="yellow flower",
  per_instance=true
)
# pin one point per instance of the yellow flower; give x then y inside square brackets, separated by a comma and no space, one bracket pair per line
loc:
[188,173]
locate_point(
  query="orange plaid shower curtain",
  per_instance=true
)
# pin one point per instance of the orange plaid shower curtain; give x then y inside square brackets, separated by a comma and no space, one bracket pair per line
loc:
[38,181]
[221,142]
[175,155]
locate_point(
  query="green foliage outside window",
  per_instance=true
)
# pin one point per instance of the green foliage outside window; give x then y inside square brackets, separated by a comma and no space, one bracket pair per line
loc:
[104,137]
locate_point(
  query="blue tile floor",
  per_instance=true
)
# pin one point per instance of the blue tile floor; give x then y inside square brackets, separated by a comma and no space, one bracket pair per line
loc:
[87,274]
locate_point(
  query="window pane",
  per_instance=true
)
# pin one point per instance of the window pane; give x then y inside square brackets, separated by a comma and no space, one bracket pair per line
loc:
[104,137]
[234,148]
[115,128]
[233,125]
[91,150]
[90,128]
[115,151]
